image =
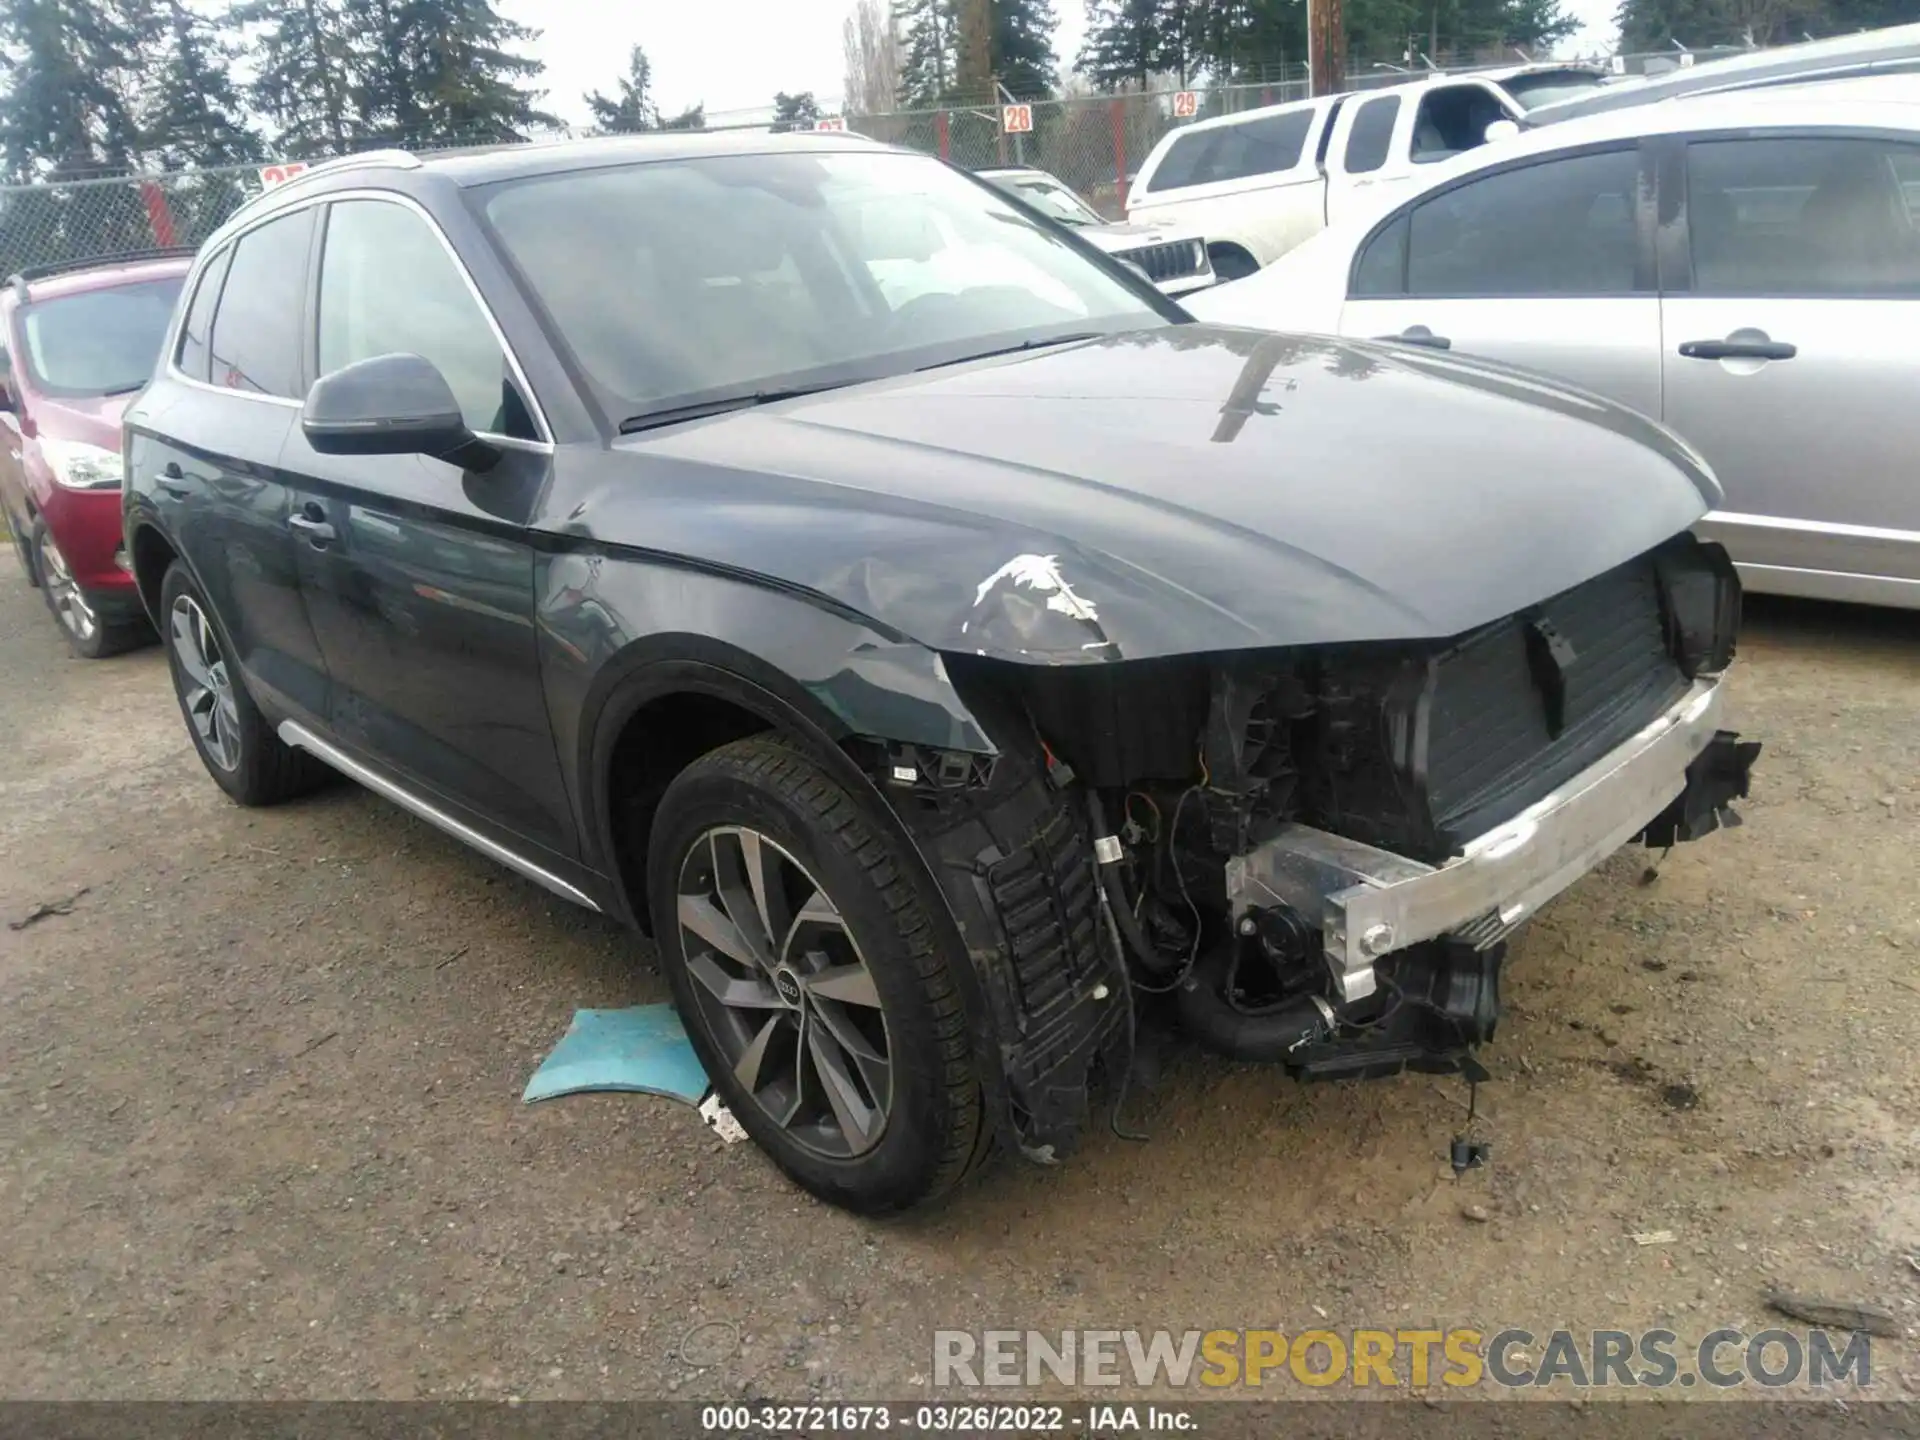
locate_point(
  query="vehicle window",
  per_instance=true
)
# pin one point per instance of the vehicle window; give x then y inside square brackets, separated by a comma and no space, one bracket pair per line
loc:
[256,327]
[1262,146]
[1382,269]
[1564,227]
[1372,134]
[192,355]
[1050,198]
[673,281]
[1550,87]
[388,286]
[1802,217]
[98,342]
[1451,119]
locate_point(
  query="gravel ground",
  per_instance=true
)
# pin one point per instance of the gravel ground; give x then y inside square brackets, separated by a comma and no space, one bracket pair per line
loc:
[264,1137]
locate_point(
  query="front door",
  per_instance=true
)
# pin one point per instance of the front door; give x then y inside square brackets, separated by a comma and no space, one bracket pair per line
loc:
[419,575]
[1792,360]
[1546,265]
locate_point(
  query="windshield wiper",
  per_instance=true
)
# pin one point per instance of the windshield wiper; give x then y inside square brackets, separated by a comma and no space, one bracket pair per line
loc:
[1034,344]
[721,405]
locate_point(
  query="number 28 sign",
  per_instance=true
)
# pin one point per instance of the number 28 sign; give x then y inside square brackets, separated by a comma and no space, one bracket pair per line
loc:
[1016,119]
[1186,104]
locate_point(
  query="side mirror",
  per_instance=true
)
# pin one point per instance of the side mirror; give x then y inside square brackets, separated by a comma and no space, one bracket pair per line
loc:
[391,405]
[1501,130]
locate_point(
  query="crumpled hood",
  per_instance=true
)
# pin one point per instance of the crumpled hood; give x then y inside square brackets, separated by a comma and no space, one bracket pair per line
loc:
[1182,489]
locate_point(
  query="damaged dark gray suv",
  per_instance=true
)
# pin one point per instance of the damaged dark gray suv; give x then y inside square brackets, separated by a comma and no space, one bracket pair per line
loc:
[938,642]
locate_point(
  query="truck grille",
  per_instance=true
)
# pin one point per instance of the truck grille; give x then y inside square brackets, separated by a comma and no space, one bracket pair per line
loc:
[1492,745]
[1171,260]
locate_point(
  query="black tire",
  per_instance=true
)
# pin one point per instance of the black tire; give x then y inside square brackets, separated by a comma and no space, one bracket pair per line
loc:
[264,770]
[935,1128]
[88,634]
[1231,263]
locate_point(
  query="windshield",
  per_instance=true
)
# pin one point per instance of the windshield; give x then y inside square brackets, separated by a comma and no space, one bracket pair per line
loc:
[675,281]
[1050,198]
[1550,87]
[99,342]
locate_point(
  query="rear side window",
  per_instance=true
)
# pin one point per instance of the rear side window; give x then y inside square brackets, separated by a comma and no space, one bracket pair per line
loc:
[1372,134]
[256,329]
[1382,269]
[1565,227]
[192,356]
[1803,217]
[1263,146]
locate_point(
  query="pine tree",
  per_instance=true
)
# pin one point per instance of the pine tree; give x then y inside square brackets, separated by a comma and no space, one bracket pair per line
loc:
[195,117]
[929,61]
[694,117]
[631,106]
[72,66]
[1023,58]
[794,112]
[1131,41]
[439,72]
[307,64]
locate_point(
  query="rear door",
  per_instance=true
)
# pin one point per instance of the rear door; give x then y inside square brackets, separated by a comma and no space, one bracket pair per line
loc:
[1546,264]
[1792,353]
[419,575]
[216,473]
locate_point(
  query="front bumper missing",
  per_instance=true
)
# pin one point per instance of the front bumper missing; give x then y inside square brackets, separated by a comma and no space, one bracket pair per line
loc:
[1673,780]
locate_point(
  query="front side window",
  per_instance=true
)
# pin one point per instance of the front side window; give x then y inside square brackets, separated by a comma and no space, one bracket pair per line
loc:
[195,333]
[676,281]
[1564,227]
[1803,217]
[99,342]
[388,286]
[1240,151]
[1453,118]
[1372,134]
[256,328]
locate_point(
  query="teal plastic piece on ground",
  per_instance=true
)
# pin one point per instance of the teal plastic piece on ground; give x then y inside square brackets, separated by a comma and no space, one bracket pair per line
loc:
[640,1049]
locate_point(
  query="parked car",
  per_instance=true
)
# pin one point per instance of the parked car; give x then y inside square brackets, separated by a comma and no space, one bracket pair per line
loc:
[76,342]
[1173,258]
[1259,182]
[1742,266]
[926,676]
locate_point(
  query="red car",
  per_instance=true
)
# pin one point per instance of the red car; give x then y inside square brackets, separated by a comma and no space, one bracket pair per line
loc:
[77,342]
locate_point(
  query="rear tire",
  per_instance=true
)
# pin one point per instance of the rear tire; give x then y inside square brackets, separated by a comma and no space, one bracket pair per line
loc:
[88,634]
[233,739]
[826,1013]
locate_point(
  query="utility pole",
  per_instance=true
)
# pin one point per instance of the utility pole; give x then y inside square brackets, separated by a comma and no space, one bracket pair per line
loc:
[974,83]
[1326,47]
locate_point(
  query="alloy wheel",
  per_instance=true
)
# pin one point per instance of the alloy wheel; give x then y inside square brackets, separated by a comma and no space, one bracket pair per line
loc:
[785,992]
[64,594]
[207,685]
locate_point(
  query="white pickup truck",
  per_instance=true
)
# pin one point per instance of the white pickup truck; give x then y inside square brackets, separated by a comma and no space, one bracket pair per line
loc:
[1259,182]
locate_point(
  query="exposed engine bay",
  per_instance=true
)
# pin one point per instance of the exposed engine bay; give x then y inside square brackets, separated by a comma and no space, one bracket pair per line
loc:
[1314,857]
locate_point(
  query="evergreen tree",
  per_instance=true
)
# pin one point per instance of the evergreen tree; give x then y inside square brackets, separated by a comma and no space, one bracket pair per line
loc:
[444,72]
[794,112]
[631,106]
[307,66]
[694,117]
[1023,58]
[929,63]
[195,117]
[71,66]
[1130,41]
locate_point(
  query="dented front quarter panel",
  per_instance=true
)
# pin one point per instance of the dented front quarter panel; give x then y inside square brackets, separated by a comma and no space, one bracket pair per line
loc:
[1159,493]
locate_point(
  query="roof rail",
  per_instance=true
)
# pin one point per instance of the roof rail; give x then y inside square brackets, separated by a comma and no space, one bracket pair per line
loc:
[391,159]
[20,279]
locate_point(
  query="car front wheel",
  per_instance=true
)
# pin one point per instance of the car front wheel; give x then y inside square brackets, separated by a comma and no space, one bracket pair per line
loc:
[816,983]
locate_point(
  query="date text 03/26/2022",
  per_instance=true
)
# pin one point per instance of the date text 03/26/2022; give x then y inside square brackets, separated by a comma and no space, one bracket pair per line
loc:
[965,1419]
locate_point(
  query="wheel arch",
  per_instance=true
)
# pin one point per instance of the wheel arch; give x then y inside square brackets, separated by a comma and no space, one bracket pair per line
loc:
[150,552]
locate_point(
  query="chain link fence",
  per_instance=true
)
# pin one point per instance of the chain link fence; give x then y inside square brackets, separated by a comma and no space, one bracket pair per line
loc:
[1093,143]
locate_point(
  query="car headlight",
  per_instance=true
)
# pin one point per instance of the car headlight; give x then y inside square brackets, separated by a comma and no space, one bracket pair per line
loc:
[80,466]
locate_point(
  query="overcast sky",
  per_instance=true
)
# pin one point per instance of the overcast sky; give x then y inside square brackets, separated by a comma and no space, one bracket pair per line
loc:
[734,54]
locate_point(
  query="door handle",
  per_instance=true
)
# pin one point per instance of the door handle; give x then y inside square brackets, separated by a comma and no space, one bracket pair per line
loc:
[1738,350]
[1418,335]
[314,528]
[173,480]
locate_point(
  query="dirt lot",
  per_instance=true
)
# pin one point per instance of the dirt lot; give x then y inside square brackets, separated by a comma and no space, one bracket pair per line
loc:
[264,1136]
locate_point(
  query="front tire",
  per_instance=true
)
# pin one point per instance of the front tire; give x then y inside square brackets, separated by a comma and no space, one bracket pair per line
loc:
[1231,263]
[233,739]
[815,980]
[88,634]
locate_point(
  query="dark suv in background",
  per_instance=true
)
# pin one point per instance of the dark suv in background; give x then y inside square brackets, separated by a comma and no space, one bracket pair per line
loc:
[77,342]
[943,645]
